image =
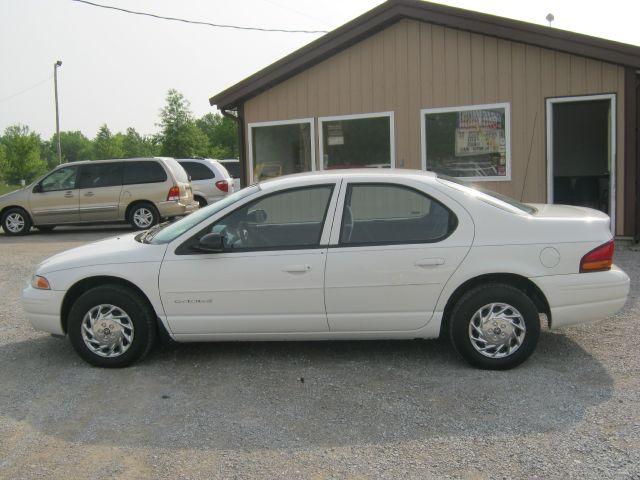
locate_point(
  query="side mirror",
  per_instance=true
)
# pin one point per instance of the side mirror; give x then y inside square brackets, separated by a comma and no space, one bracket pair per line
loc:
[37,188]
[210,243]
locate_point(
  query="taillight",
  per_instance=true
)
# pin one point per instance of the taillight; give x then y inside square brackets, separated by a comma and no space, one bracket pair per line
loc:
[599,259]
[174,194]
[223,185]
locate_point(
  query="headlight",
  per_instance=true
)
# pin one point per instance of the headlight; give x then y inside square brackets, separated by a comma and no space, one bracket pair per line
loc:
[40,283]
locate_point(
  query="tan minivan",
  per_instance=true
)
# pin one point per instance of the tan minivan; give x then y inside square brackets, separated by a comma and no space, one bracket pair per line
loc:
[141,191]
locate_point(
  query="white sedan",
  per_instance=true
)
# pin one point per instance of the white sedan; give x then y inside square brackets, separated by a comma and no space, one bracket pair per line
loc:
[347,254]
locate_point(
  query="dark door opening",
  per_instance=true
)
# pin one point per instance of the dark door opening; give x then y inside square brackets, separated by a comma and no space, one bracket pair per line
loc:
[581,146]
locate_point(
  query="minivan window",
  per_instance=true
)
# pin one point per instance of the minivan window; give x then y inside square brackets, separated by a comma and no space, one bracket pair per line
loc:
[101,175]
[197,171]
[393,214]
[61,179]
[143,172]
[233,168]
[178,172]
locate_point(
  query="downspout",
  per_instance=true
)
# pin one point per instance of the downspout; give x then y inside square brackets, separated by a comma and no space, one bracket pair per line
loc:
[238,118]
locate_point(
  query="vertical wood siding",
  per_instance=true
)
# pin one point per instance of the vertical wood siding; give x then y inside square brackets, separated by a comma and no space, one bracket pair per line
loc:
[413,65]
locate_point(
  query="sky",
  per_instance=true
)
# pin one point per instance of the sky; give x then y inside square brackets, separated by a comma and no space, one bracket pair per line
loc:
[118,67]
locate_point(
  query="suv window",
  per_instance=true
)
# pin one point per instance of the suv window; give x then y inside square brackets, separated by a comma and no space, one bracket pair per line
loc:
[62,179]
[197,171]
[388,214]
[101,175]
[283,220]
[143,172]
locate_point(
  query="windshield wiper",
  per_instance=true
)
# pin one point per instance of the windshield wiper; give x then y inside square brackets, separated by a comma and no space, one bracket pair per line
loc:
[149,234]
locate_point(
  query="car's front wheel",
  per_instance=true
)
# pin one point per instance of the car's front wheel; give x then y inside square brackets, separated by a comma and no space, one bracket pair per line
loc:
[16,221]
[111,326]
[495,326]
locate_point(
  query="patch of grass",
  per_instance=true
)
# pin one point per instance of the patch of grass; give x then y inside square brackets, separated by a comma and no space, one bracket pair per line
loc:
[8,188]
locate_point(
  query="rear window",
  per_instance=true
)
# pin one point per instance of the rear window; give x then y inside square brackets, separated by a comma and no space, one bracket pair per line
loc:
[197,171]
[98,175]
[178,172]
[143,172]
[233,168]
[488,196]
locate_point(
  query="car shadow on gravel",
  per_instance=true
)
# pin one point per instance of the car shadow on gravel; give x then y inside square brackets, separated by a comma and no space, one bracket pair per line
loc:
[252,396]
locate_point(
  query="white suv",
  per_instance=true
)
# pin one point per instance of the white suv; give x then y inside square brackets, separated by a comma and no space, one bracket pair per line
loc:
[210,180]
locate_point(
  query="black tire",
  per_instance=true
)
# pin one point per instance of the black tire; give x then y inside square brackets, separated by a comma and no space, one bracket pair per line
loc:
[140,313]
[140,208]
[9,225]
[45,228]
[201,201]
[479,297]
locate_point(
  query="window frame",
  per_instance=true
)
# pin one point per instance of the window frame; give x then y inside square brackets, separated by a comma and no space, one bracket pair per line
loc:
[89,165]
[359,116]
[463,108]
[203,165]
[75,185]
[184,247]
[453,224]
[275,123]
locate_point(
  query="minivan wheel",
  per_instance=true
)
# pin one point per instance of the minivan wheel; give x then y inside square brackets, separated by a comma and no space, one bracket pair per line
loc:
[143,216]
[111,326]
[201,201]
[16,221]
[495,326]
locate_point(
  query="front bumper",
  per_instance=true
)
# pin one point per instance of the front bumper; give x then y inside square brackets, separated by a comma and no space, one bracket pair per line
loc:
[42,309]
[584,297]
[176,209]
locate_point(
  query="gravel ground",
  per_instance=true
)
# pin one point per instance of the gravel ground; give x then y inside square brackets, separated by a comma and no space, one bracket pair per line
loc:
[314,410]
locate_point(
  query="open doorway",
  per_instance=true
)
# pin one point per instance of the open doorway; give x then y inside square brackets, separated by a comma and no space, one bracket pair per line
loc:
[581,153]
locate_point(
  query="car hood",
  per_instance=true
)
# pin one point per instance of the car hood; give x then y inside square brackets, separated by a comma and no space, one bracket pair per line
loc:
[116,250]
[12,196]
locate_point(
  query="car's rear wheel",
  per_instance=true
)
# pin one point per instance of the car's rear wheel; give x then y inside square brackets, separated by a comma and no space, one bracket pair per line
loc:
[16,221]
[111,326]
[495,326]
[143,216]
[201,201]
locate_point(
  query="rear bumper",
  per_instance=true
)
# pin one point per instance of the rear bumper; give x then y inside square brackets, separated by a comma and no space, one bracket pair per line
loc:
[584,297]
[176,209]
[42,309]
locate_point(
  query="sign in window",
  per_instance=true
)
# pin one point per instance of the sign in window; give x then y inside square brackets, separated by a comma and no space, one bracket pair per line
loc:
[468,142]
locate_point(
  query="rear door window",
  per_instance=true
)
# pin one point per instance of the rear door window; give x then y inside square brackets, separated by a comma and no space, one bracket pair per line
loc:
[197,171]
[143,172]
[101,175]
[380,214]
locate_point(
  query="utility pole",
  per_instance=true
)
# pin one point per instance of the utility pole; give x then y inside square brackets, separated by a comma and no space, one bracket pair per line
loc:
[55,84]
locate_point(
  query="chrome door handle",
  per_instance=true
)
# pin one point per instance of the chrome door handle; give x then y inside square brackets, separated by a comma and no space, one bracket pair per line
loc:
[69,195]
[89,194]
[429,262]
[297,268]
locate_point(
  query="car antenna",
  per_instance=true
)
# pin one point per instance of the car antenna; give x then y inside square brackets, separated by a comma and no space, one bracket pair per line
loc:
[526,170]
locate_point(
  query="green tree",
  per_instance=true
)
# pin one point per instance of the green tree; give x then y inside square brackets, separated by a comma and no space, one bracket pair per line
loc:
[136,145]
[22,154]
[180,136]
[106,145]
[74,146]
[3,162]
[222,133]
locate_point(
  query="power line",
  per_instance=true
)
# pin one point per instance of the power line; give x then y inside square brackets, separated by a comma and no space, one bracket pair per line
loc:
[196,22]
[26,89]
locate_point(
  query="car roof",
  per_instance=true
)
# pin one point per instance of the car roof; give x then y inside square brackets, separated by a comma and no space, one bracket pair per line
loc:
[376,174]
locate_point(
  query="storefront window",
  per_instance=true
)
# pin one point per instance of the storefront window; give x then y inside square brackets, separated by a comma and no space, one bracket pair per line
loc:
[356,141]
[468,142]
[281,148]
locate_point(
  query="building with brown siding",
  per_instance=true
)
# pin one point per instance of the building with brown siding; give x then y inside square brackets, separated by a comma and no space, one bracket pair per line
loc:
[539,114]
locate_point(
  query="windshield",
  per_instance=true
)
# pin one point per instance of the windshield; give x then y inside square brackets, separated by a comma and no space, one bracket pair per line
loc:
[174,230]
[486,195]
